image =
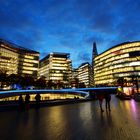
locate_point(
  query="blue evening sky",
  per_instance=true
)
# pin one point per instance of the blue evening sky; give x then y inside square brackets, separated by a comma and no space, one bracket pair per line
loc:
[69,26]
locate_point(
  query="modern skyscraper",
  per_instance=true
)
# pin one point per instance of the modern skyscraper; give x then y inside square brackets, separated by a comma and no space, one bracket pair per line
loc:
[94,54]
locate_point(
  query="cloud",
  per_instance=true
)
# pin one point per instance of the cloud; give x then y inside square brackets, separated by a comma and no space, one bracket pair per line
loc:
[83,56]
[69,26]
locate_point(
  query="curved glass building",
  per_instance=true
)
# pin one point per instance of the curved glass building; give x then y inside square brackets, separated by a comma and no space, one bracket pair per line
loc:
[15,59]
[122,60]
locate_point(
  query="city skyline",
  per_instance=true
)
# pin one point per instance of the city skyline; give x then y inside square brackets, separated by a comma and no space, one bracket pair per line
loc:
[69,26]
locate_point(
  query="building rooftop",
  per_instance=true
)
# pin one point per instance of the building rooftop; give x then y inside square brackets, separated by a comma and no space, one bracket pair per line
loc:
[86,63]
[56,54]
[9,44]
[124,43]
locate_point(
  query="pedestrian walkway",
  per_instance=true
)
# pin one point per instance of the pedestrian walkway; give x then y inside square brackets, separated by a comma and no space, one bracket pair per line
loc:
[81,121]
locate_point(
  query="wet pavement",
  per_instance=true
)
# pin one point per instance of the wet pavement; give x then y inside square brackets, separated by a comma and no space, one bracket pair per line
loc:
[81,121]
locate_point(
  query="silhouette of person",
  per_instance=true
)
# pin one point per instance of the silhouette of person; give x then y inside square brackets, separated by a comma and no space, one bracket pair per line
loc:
[107,99]
[27,100]
[100,97]
[21,102]
[37,98]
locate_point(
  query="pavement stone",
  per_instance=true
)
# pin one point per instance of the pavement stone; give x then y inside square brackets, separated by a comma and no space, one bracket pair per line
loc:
[80,121]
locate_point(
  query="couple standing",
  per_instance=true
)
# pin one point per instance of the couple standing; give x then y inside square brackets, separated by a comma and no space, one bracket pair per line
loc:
[107,97]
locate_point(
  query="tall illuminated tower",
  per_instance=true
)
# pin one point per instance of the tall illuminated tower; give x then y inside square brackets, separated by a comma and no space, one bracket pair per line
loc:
[94,54]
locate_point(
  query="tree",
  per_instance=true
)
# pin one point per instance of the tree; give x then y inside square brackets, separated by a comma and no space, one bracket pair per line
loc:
[82,85]
[120,81]
[75,82]
[3,79]
[26,81]
[60,84]
[13,79]
[41,83]
[50,84]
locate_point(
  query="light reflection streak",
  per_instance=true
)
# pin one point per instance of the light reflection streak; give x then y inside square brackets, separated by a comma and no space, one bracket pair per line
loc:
[133,108]
[130,106]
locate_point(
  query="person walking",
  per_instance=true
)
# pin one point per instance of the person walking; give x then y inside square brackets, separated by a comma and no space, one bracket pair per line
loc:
[107,99]
[21,102]
[100,97]
[27,100]
[37,98]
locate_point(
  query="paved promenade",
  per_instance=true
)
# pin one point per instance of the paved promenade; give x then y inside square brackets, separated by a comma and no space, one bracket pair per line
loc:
[81,121]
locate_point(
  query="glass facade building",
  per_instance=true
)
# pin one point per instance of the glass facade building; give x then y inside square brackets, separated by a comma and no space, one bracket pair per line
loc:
[122,60]
[56,67]
[85,74]
[15,59]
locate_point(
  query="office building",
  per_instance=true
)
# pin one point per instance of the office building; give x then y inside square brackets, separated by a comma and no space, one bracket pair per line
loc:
[120,61]
[56,67]
[85,74]
[15,59]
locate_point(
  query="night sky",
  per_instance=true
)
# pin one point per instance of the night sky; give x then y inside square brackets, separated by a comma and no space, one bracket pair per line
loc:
[69,26]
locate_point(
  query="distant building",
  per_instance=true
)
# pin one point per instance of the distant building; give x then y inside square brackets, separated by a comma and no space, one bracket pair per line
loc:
[56,67]
[74,73]
[15,59]
[94,54]
[85,74]
[74,79]
[120,61]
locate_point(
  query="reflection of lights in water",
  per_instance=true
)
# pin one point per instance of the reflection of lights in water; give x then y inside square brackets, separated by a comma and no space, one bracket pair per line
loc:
[130,106]
[133,107]
[57,114]
[127,105]
[57,120]
[85,112]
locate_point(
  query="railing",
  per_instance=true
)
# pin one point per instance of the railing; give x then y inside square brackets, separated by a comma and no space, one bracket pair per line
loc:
[77,91]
